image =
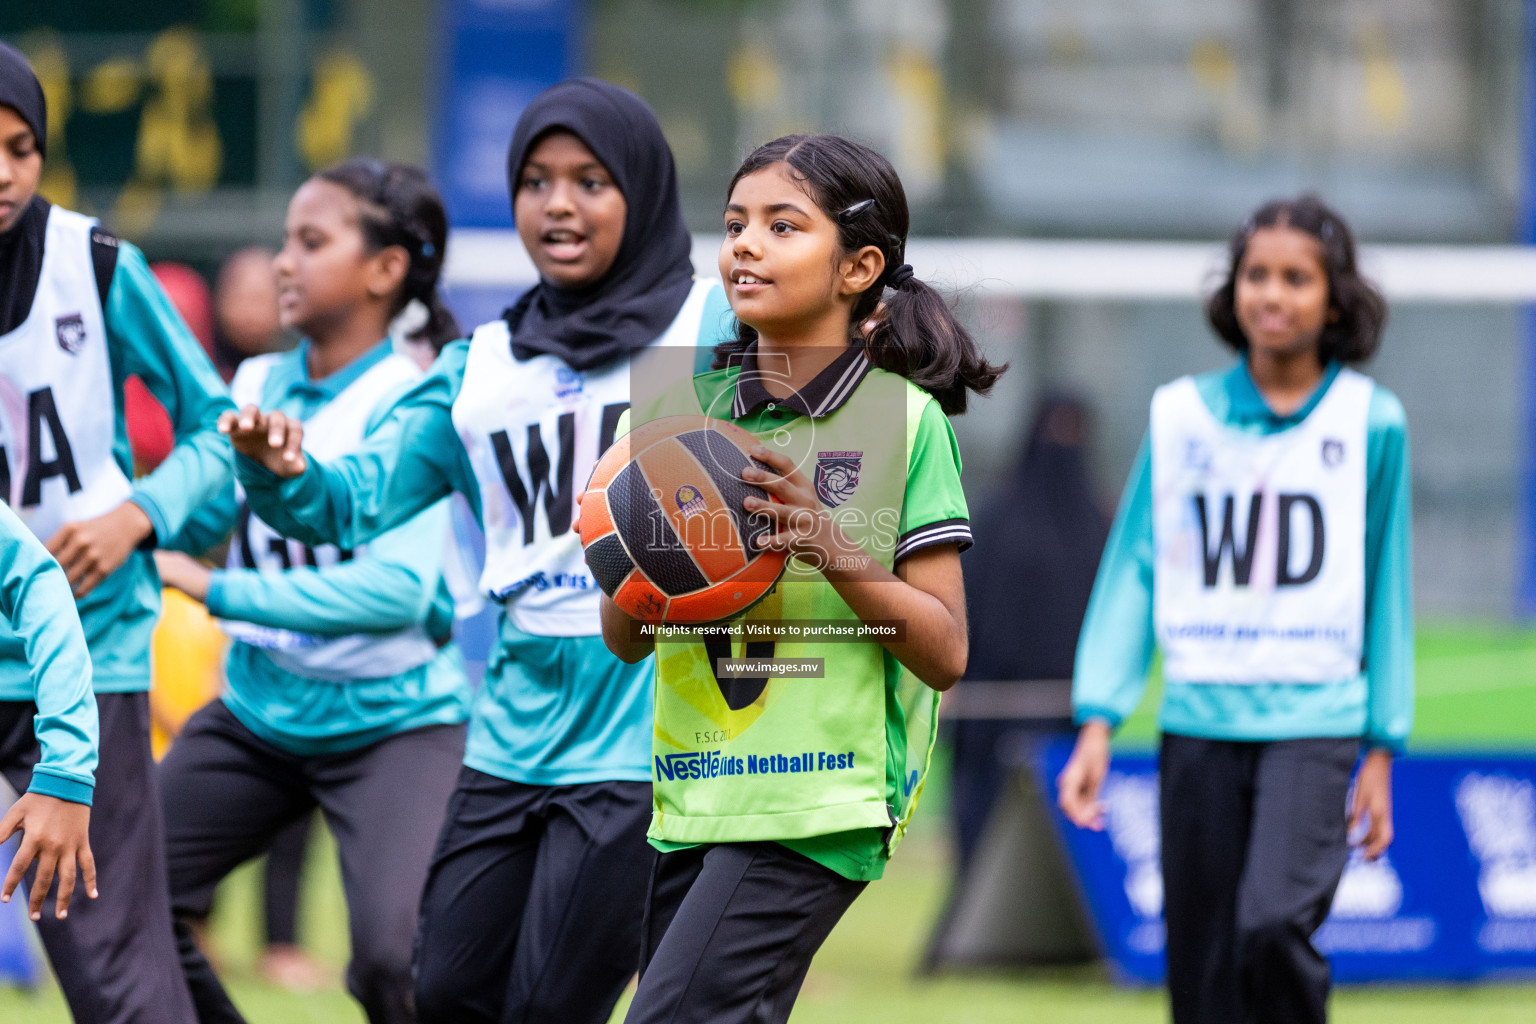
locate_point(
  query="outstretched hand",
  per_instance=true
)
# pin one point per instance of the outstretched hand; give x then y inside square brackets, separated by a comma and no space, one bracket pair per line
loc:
[55,833]
[270,439]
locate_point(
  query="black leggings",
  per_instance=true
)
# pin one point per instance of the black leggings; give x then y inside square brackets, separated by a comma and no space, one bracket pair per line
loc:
[226,793]
[730,931]
[281,879]
[531,913]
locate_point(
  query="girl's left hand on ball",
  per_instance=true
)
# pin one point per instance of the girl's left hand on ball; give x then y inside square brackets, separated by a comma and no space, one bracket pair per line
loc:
[801,525]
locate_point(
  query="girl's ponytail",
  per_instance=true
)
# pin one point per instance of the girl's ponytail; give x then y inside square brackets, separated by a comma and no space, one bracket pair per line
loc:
[914,332]
[400,207]
[908,328]
[441,326]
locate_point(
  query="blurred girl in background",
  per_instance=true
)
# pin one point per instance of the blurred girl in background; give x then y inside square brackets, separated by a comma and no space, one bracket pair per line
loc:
[1263,543]
[343,689]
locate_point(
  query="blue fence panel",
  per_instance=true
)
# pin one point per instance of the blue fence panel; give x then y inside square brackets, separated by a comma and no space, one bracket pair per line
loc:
[1453,899]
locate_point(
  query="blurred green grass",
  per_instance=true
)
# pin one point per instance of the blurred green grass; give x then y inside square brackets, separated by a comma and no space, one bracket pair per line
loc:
[1476,690]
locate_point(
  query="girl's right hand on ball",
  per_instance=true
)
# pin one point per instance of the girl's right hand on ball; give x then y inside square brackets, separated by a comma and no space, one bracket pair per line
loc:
[269,439]
[1078,785]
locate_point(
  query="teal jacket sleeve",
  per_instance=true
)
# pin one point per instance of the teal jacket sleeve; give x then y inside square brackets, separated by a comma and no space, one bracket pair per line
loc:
[411,460]
[1388,576]
[209,525]
[391,586]
[36,600]
[1114,650]
[147,337]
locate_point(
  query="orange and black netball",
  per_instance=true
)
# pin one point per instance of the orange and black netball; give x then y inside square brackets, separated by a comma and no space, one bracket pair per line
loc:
[663,525]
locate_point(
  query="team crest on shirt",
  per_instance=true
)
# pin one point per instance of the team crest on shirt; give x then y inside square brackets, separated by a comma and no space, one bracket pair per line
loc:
[837,476]
[70,330]
[1333,452]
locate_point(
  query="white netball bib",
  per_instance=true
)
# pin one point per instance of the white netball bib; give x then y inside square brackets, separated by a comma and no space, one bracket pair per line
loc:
[533,430]
[1260,541]
[58,408]
[336,429]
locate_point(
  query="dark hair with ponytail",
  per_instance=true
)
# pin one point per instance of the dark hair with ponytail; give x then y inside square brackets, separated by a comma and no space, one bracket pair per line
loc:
[1357,312]
[913,332]
[399,206]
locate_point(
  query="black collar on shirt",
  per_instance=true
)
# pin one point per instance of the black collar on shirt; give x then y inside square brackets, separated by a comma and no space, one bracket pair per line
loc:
[822,396]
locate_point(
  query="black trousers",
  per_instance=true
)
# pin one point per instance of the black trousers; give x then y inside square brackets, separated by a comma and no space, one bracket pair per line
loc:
[531,913]
[114,956]
[730,931]
[281,878]
[226,793]
[1254,843]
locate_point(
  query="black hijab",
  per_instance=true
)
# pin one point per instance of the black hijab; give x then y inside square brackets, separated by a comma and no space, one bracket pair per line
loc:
[22,92]
[1037,548]
[21,248]
[640,295]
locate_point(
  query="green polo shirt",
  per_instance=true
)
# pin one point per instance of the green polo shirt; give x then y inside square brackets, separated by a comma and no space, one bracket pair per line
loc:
[831,768]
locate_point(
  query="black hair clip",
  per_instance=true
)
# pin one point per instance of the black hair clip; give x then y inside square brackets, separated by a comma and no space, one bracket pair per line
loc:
[853,212]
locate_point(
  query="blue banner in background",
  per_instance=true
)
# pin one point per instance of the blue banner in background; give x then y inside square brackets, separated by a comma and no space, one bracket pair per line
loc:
[496,56]
[1453,899]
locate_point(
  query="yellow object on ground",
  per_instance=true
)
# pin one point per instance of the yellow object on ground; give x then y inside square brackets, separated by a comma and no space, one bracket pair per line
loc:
[187,660]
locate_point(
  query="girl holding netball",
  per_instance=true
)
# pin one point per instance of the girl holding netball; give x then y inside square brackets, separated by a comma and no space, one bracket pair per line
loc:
[1263,544]
[532,905]
[79,313]
[342,688]
[845,365]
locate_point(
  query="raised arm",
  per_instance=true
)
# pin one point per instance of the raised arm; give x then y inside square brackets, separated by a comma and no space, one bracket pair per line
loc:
[392,586]
[411,460]
[147,333]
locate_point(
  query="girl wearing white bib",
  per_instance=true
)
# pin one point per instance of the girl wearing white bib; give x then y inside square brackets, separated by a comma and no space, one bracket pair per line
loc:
[1263,545]
[80,313]
[342,690]
[532,907]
